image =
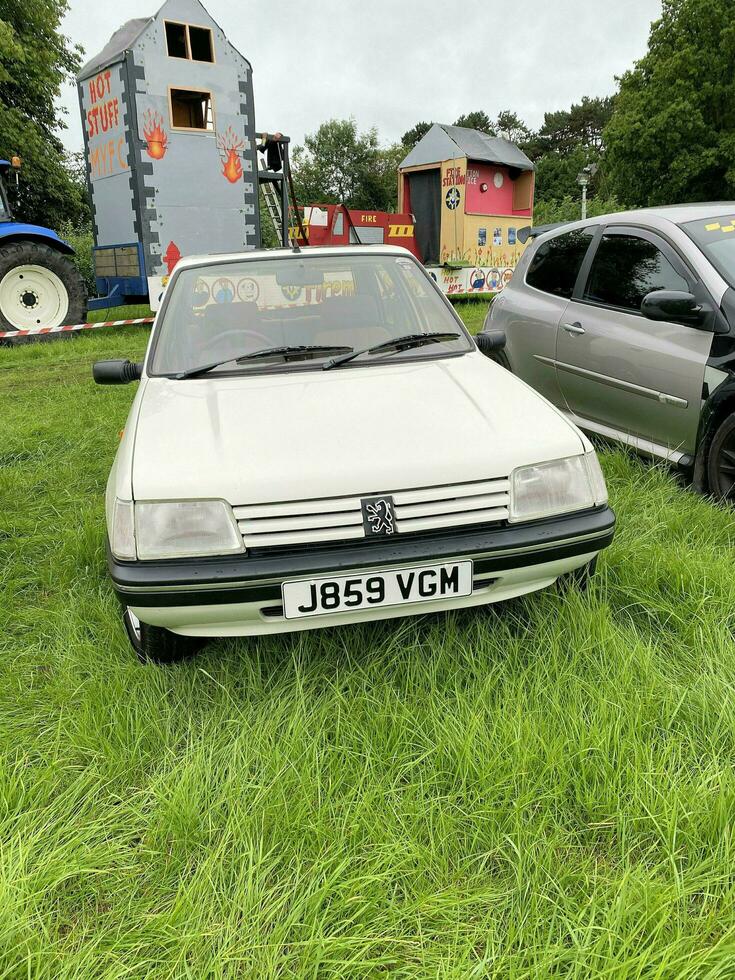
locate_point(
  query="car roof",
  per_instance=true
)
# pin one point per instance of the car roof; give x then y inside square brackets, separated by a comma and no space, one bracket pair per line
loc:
[676,214]
[308,251]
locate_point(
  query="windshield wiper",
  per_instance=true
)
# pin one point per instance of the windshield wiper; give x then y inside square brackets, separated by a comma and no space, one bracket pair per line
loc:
[292,351]
[396,344]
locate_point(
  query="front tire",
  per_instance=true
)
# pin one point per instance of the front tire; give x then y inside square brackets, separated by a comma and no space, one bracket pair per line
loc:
[39,287]
[579,578]
[154,644]
[501,358]
[721,461]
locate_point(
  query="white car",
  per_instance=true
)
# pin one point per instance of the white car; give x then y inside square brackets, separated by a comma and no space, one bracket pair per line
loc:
[317,440]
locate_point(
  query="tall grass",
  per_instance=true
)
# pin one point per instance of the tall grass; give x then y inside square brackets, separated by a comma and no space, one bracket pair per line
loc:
[543,789]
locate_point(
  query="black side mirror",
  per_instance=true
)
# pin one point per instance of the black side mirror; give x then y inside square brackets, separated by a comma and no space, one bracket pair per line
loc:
[116,372]
[490,341]
[674,305]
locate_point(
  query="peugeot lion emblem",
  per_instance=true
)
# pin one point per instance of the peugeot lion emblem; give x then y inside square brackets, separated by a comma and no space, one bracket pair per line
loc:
[378,516]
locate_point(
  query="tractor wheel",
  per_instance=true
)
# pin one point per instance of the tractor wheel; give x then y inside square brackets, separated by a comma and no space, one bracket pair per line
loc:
[39,287]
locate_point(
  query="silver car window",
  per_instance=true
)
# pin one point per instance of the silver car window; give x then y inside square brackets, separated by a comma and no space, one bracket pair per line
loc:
[625,269]
[556,263]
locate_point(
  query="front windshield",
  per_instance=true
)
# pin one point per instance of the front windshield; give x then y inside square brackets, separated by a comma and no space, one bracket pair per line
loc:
[716,238]
[330,304]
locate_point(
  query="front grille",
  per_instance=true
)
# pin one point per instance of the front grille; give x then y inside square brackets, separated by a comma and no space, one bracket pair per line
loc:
[335,519]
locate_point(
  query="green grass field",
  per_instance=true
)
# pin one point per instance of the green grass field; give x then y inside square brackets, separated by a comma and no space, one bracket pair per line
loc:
[543,789]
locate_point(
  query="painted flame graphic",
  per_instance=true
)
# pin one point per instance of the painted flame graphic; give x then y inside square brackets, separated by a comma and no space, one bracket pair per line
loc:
[229,146]
[232,168]
[155,134]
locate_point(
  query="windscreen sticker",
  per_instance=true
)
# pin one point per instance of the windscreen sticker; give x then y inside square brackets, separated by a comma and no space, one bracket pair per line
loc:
[248,290]
[202,293]
[223,291]
[265,291]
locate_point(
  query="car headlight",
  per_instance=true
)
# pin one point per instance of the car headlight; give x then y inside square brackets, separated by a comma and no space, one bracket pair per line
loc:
[557,487]
[122,535]
[186,529]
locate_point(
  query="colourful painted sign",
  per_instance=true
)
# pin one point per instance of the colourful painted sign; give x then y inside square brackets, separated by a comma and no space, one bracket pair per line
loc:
[103,123]
[478,280]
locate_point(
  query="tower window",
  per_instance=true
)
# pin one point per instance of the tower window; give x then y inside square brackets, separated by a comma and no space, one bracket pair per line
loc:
[191,109]
[200,44]
[189,42]
[176,40]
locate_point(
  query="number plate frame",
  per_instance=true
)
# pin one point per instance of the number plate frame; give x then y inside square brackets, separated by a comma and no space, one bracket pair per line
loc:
[303,598]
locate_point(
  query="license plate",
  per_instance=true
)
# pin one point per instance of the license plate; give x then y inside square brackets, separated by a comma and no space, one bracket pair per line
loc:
[324,596]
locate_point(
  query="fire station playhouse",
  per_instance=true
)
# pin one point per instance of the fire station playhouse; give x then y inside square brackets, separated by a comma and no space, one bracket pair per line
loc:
[463,197]
[469,194]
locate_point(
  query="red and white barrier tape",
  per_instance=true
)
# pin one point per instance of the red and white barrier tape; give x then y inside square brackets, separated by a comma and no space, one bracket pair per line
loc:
[31,331]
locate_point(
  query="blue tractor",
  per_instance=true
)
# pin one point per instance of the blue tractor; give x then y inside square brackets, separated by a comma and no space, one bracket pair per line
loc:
[39,283]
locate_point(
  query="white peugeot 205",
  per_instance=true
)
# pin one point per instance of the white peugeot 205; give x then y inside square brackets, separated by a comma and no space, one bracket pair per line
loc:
[317,440]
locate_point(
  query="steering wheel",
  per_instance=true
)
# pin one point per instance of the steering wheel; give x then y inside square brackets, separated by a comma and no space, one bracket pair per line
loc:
[240,334]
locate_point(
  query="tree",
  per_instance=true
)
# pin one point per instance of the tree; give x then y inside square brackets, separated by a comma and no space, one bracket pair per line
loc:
[476,120]
[412,136]
[511,127]
[35,59]
[671,138]
[380,182]
[556,174]
[567,141]
[566,130]
[337,165]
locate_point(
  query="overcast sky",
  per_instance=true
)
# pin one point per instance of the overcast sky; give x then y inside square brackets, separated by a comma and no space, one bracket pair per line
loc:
[391,63]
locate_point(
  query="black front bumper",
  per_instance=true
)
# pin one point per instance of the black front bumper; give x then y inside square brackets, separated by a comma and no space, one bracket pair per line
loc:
[258,577]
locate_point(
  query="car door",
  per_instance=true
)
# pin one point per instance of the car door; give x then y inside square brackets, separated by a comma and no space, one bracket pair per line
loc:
[619,370]
[530,307]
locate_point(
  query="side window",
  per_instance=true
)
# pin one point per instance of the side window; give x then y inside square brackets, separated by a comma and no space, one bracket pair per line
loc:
[188,41]
[625,269]
[191,109]
[555,265]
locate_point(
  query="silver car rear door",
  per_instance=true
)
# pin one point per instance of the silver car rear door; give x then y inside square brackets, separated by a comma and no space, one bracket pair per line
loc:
[533,304]
[619,370]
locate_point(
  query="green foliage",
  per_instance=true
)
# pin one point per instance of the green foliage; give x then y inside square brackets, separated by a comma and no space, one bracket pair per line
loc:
[338,165]
[569,140]
[556,174]
[380,183]
[510,126]
[411,137]
[568,208]
[476,120]
[81,240]
[565,131]
[35,59]
[542,789]
[268,236]
[672,136]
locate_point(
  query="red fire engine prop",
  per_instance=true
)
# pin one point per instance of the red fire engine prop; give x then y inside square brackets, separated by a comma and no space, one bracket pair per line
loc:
[334,224]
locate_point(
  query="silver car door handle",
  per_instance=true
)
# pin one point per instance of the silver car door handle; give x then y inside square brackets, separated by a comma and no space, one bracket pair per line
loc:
[573,327]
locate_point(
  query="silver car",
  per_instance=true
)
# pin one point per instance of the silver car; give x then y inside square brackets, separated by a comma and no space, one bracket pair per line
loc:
[626,322]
